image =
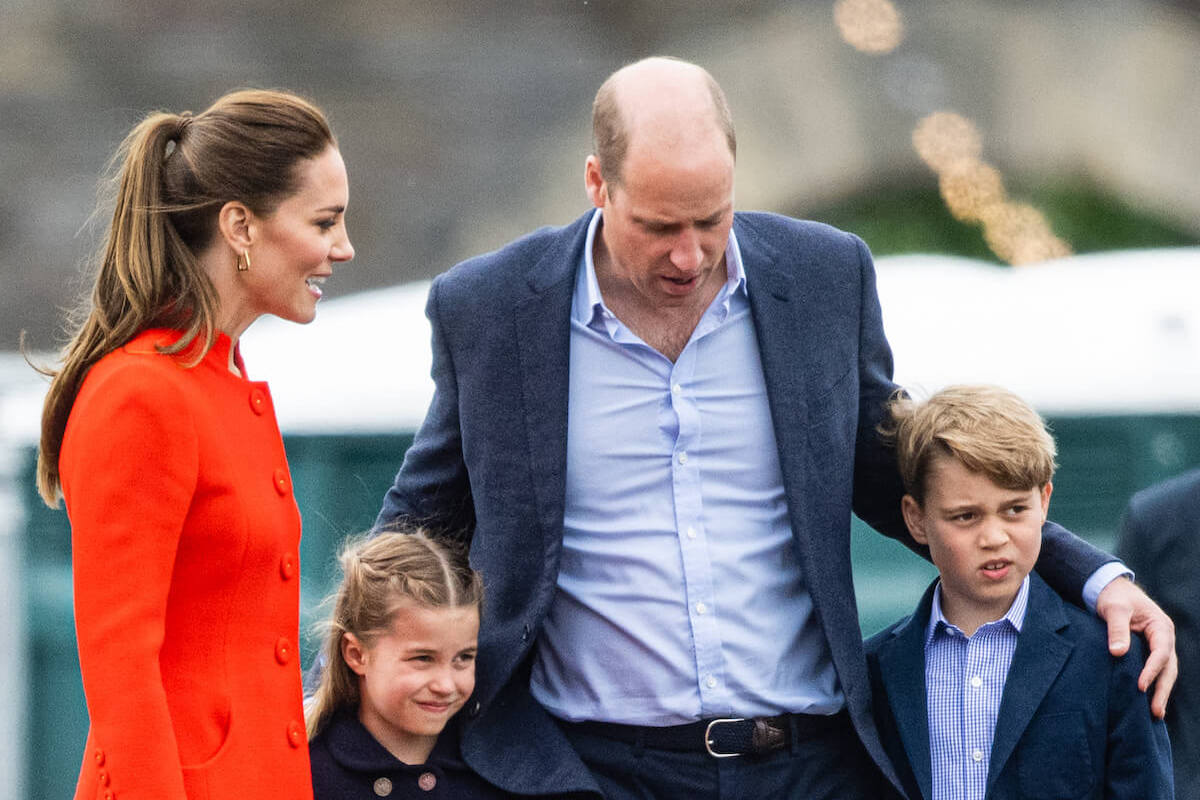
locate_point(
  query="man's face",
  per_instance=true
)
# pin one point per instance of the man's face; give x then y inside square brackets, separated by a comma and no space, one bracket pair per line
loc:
[666,224]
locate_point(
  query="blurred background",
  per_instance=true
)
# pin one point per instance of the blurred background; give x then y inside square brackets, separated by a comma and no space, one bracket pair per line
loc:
[965,140]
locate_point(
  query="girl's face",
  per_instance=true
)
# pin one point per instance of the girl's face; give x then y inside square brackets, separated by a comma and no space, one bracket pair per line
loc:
[415,676]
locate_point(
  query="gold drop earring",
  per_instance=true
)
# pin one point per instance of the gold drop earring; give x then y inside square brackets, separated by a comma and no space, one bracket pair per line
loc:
[245,255]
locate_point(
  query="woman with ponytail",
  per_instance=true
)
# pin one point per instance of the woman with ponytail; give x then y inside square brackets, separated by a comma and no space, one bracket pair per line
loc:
[184,530]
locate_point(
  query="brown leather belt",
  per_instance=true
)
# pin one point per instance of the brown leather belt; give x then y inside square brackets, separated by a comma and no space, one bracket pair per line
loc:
[723,737]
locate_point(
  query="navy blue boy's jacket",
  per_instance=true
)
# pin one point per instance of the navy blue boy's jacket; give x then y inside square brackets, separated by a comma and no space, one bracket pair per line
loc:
[1072,722]
[348,763]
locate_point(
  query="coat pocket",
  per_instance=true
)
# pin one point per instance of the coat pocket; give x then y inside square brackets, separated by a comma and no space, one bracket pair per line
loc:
[1054,758]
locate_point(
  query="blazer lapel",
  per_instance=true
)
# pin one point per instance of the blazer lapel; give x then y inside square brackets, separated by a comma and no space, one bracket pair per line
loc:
[1039,658]
[902,664]
[543,332]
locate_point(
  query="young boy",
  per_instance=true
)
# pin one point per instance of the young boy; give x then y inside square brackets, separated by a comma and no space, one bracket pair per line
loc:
[995,687]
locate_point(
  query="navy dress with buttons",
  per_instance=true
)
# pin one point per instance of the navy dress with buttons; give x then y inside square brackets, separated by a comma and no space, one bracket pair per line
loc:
[348,763]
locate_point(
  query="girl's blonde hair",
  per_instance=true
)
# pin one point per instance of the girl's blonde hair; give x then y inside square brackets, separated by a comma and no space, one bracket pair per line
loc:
[170,178]
[379,575]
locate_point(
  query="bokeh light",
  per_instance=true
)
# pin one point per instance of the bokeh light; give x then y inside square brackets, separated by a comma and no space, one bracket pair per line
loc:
[944,138]
[870,26]
[1019,234]
[969,188]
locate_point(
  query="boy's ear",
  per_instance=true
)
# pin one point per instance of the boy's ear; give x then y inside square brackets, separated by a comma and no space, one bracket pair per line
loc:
[354,654]
[914,517]
[1046,491]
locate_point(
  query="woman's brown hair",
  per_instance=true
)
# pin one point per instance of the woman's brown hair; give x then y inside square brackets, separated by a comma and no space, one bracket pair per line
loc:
[170,177]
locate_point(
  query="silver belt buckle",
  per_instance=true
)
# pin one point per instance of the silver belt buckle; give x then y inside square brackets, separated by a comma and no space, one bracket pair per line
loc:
[708,745]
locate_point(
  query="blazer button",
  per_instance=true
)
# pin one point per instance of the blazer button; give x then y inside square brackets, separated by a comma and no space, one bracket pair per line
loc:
[258,401]
[283,650]
[281,481]
[287,566]
[473,710]
[295,734]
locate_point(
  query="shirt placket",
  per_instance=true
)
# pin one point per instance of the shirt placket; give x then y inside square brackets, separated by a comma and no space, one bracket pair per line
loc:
[975,715]
[692,535]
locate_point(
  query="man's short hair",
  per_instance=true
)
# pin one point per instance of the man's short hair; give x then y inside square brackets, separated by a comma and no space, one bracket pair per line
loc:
[610,135]
[987,429]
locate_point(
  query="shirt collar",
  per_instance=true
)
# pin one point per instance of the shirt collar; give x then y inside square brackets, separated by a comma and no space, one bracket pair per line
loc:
[589,303]
[1015,616]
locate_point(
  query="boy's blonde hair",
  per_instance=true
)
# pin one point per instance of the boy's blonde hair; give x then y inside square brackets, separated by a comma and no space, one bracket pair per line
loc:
[379,575]
[986,428]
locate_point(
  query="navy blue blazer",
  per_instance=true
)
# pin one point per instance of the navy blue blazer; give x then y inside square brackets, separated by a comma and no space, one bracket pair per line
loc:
[349,764]
[488,462]
[1072,722]
[1160,541]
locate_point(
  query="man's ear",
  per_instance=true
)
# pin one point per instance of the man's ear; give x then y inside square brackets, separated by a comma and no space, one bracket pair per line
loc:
[593,181]
[354,653]
[914,518]
[235,222]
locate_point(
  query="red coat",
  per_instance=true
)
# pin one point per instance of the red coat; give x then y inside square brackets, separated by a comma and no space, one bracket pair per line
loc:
[185,537]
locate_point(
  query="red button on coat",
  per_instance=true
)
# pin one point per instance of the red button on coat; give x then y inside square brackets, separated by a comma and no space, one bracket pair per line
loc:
[105,780]
[281,481]
[295,734]
[283,650]
[99,756]
[258,401]
[287,566]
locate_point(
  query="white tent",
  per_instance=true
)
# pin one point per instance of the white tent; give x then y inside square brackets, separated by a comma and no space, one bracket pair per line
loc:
[1115,332]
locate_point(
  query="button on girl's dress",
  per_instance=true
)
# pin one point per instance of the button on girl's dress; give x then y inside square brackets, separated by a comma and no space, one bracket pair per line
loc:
[382,787]
[427,781]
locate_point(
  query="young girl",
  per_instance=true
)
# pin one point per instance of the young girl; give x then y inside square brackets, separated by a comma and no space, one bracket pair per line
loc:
[401,655]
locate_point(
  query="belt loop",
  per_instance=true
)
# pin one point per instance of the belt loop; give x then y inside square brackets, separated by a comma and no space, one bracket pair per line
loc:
[639,744]
[794,729]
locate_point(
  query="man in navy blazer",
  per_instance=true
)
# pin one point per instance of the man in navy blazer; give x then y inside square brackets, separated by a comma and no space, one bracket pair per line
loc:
[662,270]
[1160,541]
[1072,722]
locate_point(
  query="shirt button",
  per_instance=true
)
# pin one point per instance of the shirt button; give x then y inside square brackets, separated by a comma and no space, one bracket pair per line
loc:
[427,781]
[676,389]
[710,682]
[976,682]
[295,734]
[701,608]
[683,457]
[977,755]
[382,787]
[287,566]
[281,481]
[691,532]
[258,401]
[283,650]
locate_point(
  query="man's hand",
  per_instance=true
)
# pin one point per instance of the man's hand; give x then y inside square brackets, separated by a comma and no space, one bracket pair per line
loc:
[1126,607]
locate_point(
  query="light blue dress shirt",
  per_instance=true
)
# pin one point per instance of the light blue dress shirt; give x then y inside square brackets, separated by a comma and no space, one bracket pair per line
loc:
[680,594]
[964,681]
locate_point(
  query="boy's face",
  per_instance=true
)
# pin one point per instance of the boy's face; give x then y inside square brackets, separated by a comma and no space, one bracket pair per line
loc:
[983,538]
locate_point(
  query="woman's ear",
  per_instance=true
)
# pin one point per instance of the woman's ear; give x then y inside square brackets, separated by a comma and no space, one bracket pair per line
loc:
[914,518]
[235,221]
[354,654]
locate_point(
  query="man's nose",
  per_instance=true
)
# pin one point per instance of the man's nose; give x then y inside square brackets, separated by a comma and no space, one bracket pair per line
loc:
[686,254]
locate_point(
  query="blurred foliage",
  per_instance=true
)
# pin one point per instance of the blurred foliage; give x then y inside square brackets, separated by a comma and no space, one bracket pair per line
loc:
[911,218]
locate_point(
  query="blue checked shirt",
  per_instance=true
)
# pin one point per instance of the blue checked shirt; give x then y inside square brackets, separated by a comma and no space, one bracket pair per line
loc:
[964,680]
